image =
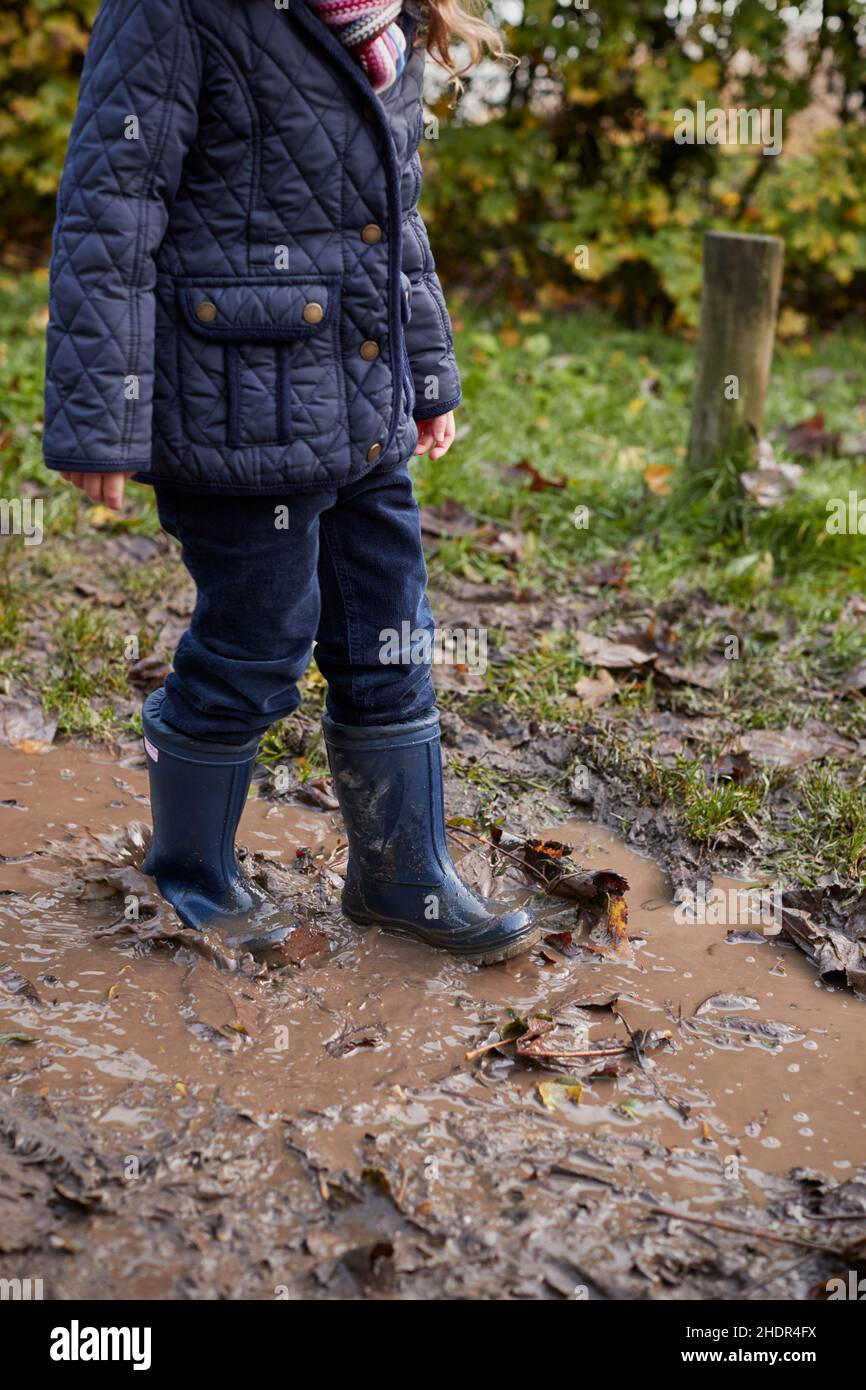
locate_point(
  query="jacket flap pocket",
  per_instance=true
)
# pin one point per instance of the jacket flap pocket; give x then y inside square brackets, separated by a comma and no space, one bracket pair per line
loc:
[257,310]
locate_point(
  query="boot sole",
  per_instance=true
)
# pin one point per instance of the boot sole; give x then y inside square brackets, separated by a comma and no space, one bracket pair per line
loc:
[494,955]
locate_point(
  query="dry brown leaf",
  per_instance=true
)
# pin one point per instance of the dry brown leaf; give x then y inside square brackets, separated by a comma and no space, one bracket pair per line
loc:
[616,656]
[594,691]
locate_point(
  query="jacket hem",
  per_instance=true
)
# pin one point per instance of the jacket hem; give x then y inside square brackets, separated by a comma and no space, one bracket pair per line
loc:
[274,488]
[433,411]
[73,465]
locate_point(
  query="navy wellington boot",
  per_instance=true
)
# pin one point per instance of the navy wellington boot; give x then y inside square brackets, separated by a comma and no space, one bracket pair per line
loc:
[197,794]
[388,781]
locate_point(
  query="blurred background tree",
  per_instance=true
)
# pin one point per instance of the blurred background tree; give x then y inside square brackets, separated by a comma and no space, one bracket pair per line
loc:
[575,148]
[572,148]
[42,45]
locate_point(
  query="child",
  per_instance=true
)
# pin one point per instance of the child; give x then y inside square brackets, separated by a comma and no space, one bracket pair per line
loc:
[245,314]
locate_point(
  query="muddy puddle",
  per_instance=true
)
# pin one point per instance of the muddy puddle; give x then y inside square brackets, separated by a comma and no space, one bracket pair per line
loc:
[179,1122]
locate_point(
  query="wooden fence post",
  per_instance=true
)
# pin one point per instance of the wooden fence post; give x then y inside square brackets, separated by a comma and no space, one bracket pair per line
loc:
[742,277]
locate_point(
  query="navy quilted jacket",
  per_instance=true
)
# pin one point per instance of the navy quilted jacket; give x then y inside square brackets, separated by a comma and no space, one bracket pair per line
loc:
[243,297]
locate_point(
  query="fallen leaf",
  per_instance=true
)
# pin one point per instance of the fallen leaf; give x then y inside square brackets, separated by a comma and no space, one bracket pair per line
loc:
[560,1089]
[657,478]
[598,651]
[771,483]
[617,920]
[319,793]
[551,861]
[613,574]
[794,747]
[538,482]
[18,985]
[734,767]
[101,516]
[594,691]
[705,676]
[810,437]
[25,726]
[148,673]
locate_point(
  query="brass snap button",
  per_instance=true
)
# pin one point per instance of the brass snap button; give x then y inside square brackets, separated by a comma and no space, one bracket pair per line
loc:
[313,312]
[206,312]
[369,350]
[371,233]
[373,452]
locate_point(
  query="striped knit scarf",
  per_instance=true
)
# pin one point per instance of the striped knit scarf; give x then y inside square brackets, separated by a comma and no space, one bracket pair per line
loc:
[369,30]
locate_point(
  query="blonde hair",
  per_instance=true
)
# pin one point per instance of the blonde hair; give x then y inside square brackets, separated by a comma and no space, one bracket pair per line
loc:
[447,20]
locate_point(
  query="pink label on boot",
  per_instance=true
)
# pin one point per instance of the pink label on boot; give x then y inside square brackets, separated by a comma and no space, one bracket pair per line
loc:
[151,751]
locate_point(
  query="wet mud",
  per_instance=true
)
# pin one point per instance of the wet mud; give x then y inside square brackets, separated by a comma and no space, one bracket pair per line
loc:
[359,1118]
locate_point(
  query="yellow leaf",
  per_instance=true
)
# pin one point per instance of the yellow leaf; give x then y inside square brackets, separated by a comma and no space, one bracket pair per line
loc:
[102,516]
[563,1088]
[636,405]
[617,920]
[791,324]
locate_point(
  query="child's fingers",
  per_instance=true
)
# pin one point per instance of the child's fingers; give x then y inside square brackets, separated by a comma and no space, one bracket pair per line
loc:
[101,487]
[425,437]
[443,435]
[112,490]
[92,485]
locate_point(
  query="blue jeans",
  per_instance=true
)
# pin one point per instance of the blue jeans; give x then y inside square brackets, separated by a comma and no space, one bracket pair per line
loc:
[341,567]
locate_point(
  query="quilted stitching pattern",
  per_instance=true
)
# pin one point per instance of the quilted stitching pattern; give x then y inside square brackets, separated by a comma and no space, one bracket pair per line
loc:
[223,155]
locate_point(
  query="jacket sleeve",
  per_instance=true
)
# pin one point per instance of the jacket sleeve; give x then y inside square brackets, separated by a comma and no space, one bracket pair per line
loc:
[429,338]
[136,119]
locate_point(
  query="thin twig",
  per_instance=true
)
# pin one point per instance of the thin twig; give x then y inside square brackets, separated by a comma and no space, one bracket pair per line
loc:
[528,868]
[742,1230]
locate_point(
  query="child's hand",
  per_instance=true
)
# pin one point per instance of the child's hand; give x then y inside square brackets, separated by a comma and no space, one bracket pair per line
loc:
[436,435]
[100,487]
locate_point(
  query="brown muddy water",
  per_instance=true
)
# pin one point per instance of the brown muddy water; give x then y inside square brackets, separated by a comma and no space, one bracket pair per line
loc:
[176,1122]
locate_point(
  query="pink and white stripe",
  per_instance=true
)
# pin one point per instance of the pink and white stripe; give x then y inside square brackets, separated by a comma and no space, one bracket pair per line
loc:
[368,28]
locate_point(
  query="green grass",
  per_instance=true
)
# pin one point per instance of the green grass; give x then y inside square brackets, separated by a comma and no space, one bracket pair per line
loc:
[588,423]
